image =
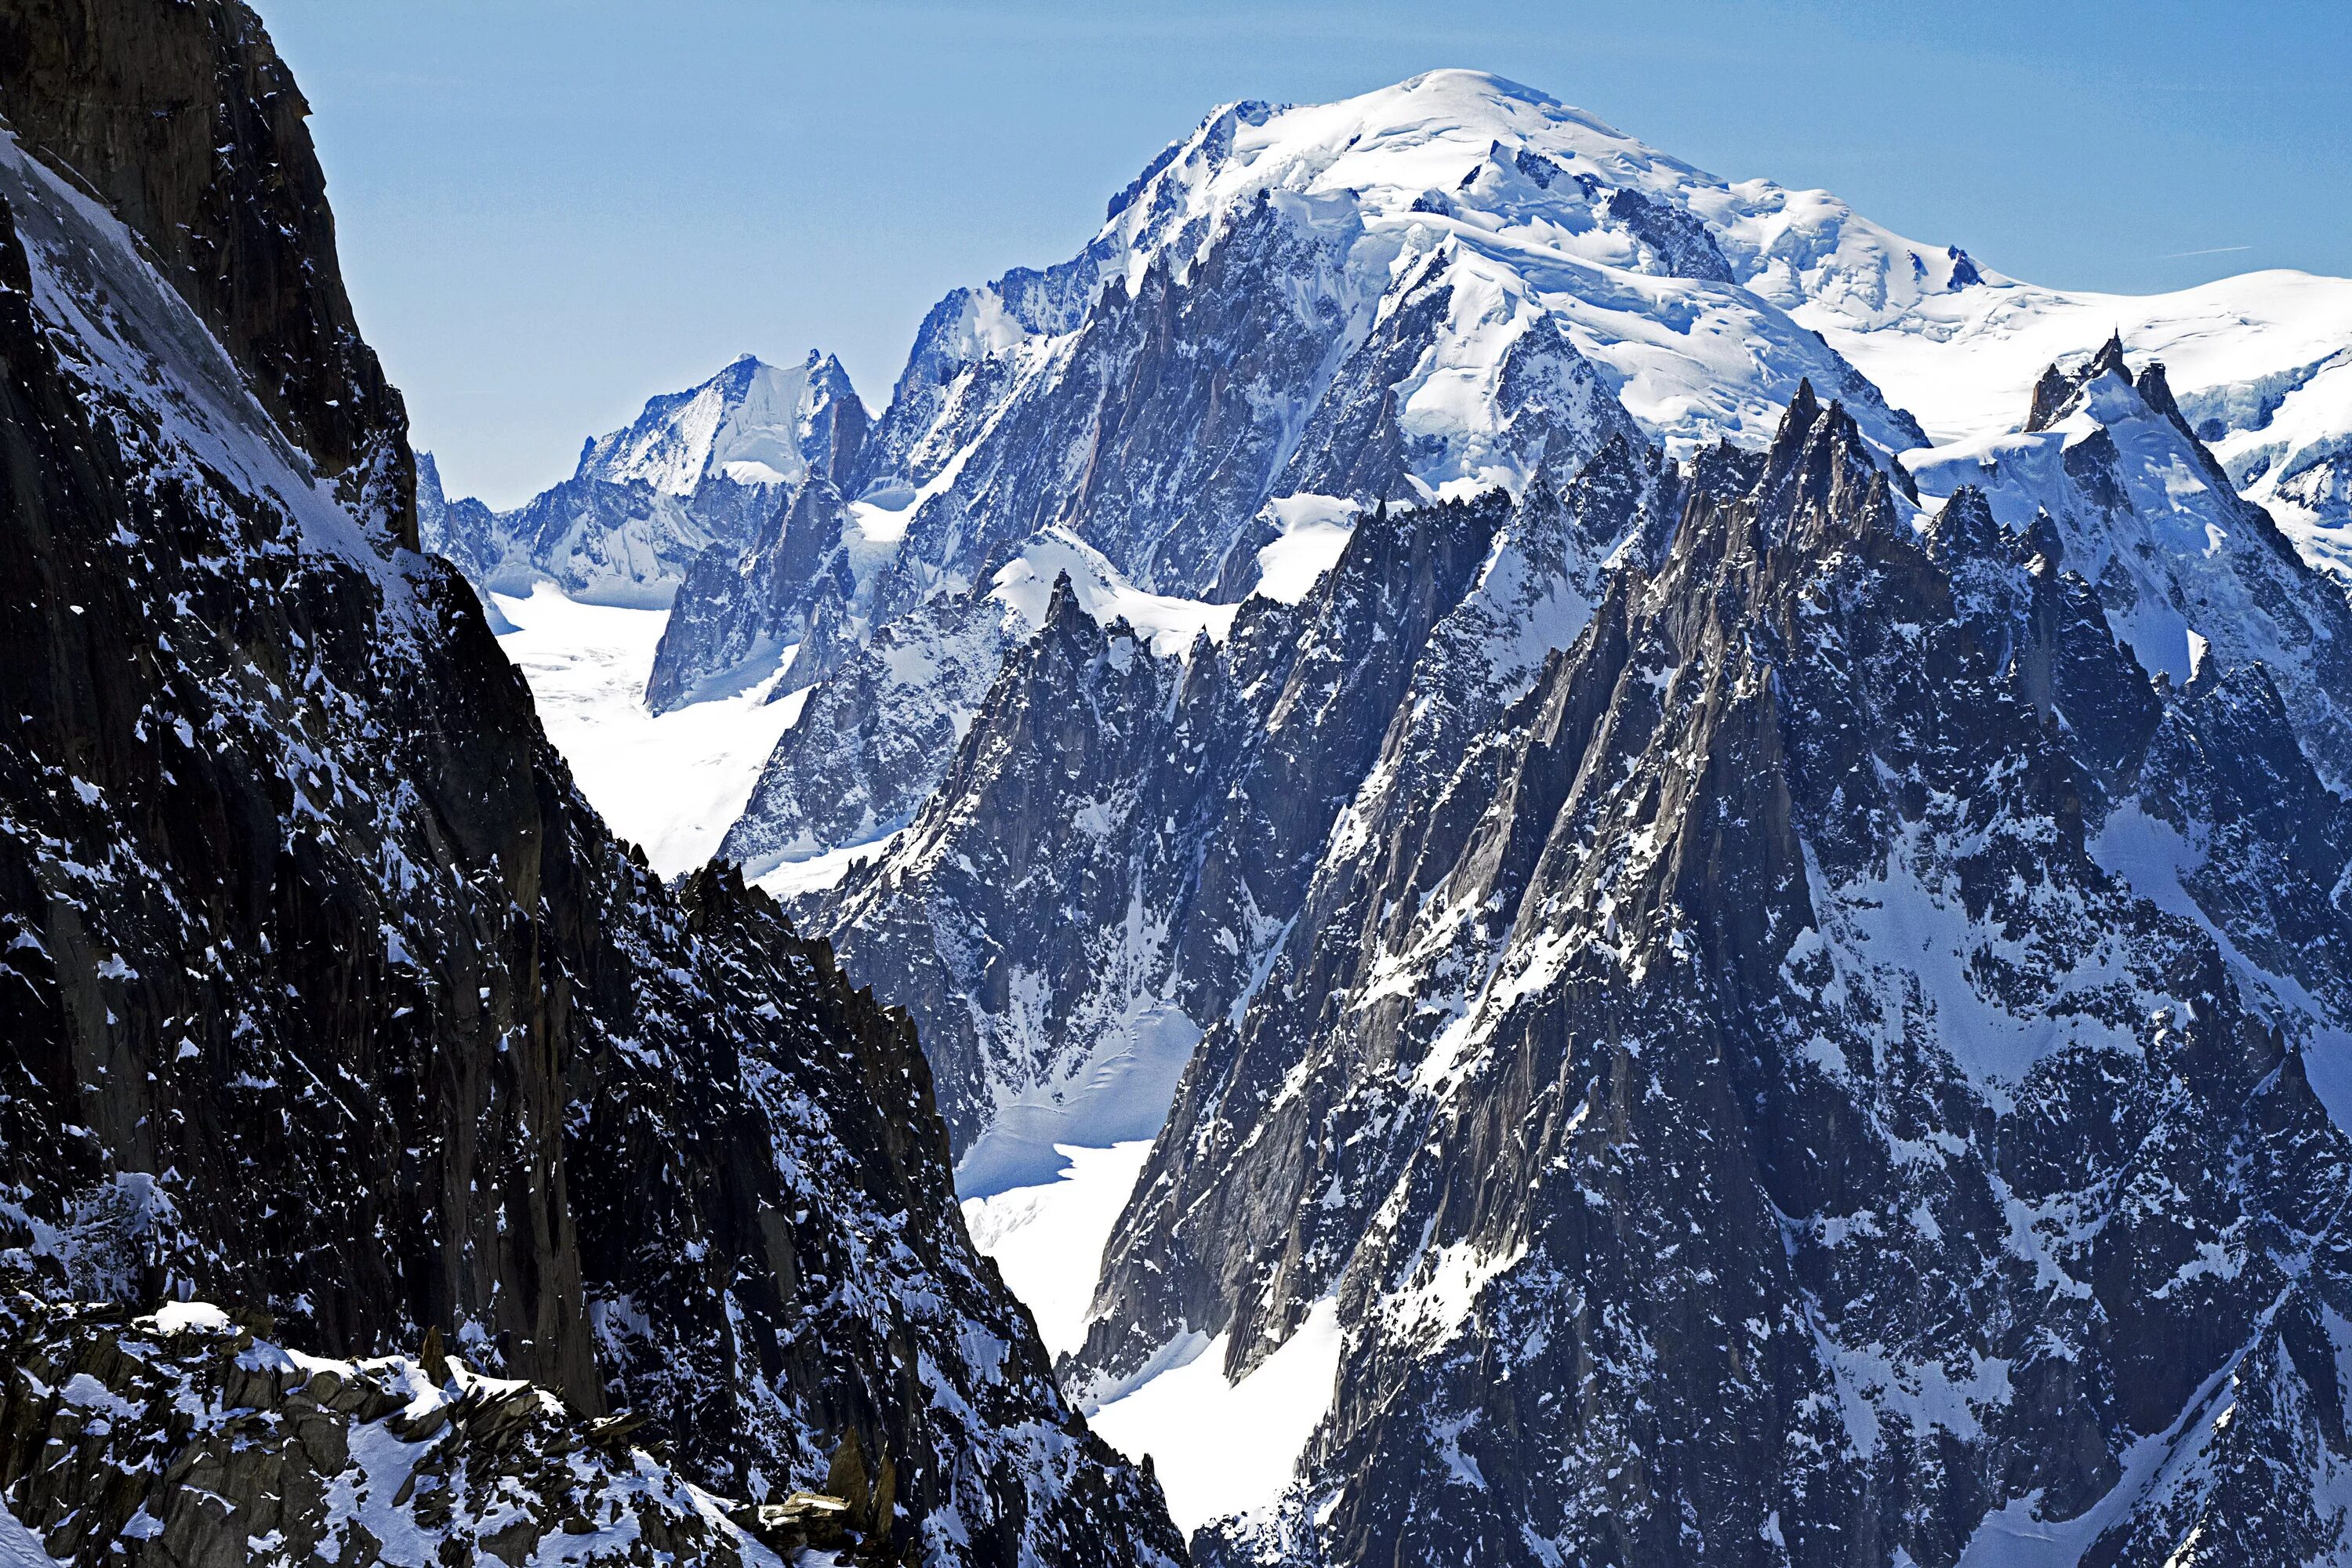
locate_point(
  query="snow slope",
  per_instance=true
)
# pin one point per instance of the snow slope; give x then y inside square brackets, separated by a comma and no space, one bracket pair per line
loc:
[1220,1448]
[747,424]
[672,782]
[1225,1449]
[1048,1239]
[1168,621]
[1965,362]
[1529,210]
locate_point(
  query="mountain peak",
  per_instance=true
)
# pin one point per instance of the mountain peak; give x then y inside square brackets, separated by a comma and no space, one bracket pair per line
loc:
[745,423]
[1467,180]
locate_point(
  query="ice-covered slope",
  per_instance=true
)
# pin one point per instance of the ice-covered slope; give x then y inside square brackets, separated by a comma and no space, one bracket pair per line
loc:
[753,424]
[671,782]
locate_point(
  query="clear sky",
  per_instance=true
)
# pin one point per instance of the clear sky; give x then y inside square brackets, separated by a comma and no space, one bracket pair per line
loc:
[550,209]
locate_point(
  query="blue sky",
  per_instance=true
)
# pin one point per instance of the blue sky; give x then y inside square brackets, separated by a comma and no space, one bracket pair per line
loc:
[550,209]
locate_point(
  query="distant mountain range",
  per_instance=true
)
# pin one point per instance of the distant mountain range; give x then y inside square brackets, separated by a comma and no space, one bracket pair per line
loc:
[700,470]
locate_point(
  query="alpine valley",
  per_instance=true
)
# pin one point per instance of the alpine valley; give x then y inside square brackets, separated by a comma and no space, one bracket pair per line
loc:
[1470,849]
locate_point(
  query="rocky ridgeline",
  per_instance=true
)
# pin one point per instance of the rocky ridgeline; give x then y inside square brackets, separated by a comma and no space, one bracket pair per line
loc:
[1100,780]
[1753,1103]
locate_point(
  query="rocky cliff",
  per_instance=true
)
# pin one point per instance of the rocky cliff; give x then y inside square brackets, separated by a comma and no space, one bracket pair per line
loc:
[1762,1101]
[326,995]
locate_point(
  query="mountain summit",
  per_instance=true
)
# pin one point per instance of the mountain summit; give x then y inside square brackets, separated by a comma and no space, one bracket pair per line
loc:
[697,471]
[751,423]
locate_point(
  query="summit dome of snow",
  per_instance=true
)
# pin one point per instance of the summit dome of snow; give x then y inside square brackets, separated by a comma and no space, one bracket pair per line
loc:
[1460,133]
[1677,283]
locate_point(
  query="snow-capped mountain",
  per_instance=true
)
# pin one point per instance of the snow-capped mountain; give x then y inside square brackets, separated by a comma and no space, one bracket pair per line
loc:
[699,470]
[1463,261]
[752,424]
[326,998]
[1765,980]
[2188,573]
[1451,283]
[2258,362]
[1279,325]
[1713,841]
[1294,315]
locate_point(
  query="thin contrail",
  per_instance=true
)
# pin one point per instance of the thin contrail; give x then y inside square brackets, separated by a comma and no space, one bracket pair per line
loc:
[2217,250]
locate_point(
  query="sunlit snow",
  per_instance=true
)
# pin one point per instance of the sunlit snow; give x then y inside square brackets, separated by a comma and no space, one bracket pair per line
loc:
[1220,1448]
[1048,1239]
[1119,1090]
[1025,585]
[671,782]
[1315,530]
[791,879]
[1229,1447]
[744,422]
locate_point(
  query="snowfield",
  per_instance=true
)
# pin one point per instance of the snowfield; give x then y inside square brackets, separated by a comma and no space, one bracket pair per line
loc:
[672,782]
[1048,1239]
[1220,1448]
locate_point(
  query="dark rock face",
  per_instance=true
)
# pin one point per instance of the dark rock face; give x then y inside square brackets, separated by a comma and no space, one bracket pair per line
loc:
[1123,840]
[134,102]
[326,995]
[735,611]
[461,529]
[877,731]
[1672,239]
